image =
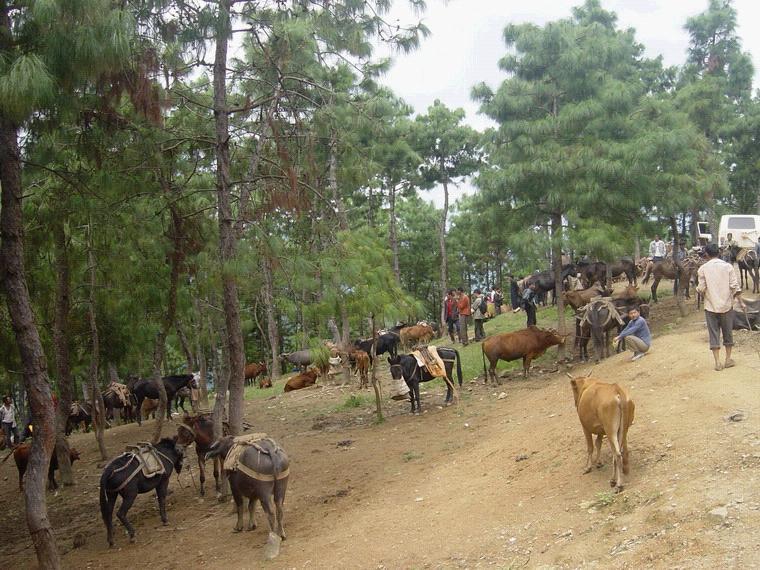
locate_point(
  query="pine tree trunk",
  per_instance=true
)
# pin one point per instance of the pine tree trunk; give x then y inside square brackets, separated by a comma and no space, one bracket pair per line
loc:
[373,374]
[636,249]
[159,349]
[189,359]
[332,182]
[200,353]
[61,344]
[442,248]
[392,232]
[227,238]
[556,241]
[33,361]
[273,332]
[220,402]
[96,398]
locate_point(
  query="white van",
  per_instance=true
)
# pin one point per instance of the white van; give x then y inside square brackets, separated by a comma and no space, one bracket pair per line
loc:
[704,235]
[744,229]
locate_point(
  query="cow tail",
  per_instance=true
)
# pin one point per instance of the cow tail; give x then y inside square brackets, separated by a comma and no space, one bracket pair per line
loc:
[624,420]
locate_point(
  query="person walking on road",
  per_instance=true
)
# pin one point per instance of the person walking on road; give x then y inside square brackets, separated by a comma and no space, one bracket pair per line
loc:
[720,287]
[464,314]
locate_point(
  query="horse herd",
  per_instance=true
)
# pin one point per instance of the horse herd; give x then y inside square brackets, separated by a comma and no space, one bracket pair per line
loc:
[133,399]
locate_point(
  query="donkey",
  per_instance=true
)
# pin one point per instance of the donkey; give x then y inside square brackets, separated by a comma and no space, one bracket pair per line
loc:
[405,366]
[113,402]
[123,476]
[144,388]
[269,463]
[200,429]
[80,415]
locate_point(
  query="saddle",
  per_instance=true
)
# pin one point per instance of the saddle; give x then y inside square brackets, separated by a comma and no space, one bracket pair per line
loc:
[597,302]
[242,442]
[148,458]
[427,357]
[120,391]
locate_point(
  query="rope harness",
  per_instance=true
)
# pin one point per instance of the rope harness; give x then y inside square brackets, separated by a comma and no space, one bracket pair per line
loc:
[134,456]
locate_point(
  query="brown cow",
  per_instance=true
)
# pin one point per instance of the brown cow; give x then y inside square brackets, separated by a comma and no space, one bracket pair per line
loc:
[253,370]
[605,409]
[265,382]
[361,360]
[416,334]
[302,380]
[21,457]
[630,292]
[527,344]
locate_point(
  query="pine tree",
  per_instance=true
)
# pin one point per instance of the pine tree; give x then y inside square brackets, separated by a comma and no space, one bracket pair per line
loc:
[450,151]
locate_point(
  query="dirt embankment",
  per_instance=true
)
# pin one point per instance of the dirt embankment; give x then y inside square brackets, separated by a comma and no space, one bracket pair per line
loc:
[495,482]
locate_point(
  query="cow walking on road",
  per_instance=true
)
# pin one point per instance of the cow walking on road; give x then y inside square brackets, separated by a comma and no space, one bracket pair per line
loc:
[605,409]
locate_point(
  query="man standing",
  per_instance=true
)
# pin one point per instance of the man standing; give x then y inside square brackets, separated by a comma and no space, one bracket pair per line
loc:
[636,334]
[757,248]
[719,285]
[657,249]
[478,314]
[463,305]
[8,419]
[529,303]
[452,314]
[498,300]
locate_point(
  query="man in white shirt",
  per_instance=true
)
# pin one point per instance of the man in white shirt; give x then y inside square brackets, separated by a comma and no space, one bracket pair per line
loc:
[657,249]
[719,285]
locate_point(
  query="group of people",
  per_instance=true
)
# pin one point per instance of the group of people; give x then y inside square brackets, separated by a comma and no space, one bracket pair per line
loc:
[460,309]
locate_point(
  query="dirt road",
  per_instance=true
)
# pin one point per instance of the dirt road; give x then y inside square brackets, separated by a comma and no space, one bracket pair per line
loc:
[495,482]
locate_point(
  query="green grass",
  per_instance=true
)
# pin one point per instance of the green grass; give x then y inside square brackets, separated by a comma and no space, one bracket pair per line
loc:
[355,401]
[256,393]
[408,456]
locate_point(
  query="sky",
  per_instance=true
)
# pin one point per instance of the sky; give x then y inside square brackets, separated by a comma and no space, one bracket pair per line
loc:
[465,45]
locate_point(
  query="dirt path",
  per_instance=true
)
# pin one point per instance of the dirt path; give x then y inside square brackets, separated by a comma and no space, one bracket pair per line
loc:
[492,483]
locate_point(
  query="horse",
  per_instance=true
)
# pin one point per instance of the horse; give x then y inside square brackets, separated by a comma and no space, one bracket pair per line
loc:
[179,399]
[263,477]
[545,280]
[405,366]
[81,413]
[747,261]
[624,266]
[144,388]
[592,271]
[123,476]
[113,402]
[666,268]
[200,429]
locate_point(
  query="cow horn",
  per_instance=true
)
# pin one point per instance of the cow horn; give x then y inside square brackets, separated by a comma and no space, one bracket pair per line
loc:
[570,376]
